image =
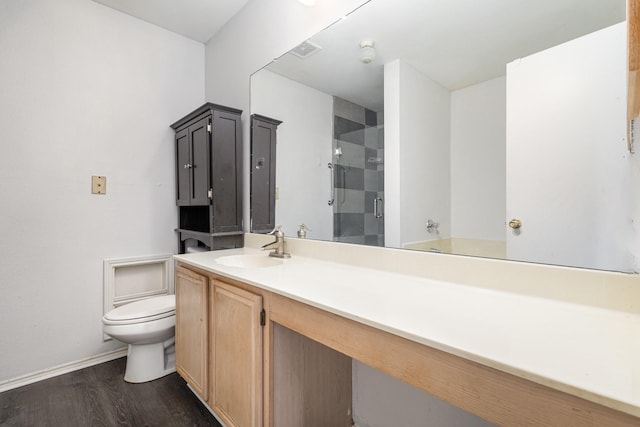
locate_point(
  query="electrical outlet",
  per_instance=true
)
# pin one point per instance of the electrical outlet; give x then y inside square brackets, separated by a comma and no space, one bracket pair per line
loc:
[98,185]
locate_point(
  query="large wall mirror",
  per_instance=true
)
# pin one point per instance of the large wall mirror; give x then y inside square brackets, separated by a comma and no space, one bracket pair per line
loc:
[494,129]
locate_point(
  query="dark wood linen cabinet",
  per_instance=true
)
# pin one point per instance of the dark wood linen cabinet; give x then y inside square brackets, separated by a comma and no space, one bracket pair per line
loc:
[209,178]
[263,173]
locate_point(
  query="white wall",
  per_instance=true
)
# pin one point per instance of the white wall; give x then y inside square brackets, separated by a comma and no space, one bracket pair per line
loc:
[417,155]
[568,166]
[304,145]
[478,171]
[85,91]
[262,31]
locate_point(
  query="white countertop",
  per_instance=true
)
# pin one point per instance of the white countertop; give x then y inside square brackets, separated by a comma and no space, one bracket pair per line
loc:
[587,351]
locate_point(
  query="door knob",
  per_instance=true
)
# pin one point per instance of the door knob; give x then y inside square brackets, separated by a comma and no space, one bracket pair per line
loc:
[515,223]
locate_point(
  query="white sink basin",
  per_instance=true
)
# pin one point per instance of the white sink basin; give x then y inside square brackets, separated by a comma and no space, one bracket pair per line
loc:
[249,261]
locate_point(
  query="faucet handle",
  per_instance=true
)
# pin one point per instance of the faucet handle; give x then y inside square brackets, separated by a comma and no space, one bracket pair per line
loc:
[277,230]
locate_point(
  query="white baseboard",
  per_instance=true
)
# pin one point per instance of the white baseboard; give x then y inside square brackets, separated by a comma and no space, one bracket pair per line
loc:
[61,369]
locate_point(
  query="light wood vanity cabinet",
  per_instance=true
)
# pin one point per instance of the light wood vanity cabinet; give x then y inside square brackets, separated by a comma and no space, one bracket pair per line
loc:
[296,369]
[192,329]
[219,345]
[250,371]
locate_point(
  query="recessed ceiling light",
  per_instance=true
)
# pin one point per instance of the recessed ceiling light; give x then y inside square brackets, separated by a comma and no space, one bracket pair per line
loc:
[308,2]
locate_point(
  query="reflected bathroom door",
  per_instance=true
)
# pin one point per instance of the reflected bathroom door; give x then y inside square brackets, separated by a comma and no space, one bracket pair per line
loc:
[566,154]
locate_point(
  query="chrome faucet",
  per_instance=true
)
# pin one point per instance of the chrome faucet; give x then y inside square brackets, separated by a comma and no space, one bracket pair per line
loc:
[277,245]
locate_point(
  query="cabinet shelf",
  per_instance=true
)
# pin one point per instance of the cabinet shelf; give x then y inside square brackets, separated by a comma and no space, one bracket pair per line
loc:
[213,241]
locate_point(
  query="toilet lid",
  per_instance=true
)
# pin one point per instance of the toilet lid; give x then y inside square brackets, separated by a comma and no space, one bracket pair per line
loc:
[149,307]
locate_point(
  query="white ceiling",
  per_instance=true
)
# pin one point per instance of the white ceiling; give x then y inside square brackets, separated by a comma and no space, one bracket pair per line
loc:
[197,19]
[456,43]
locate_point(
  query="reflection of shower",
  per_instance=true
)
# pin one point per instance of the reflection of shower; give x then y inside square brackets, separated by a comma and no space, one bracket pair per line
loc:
[332,184]
[357,175]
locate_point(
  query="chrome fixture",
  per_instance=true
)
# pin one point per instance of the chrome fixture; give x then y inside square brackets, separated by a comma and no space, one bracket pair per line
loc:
[432,227]
[332,186]
[278,244]
[302,233]
[377,211]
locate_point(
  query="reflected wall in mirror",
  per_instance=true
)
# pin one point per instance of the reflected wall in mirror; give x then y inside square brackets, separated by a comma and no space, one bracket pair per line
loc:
[470,115]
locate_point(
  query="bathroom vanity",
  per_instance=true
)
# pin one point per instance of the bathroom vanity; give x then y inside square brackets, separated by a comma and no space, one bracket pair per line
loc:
[226,351]
[274,343]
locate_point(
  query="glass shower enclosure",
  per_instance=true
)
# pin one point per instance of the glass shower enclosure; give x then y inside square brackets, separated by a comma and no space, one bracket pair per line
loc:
[358,174]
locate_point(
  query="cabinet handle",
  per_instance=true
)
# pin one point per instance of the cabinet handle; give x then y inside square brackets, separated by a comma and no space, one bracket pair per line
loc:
[188,166]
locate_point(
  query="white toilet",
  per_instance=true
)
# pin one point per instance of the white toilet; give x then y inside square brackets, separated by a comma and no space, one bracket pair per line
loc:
[148,326]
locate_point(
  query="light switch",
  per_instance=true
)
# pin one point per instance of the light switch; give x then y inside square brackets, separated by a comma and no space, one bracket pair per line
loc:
[99,185]
[277,195]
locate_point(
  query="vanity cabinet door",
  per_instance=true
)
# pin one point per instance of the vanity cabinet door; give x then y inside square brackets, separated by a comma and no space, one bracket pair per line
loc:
[192,329]
[236,355]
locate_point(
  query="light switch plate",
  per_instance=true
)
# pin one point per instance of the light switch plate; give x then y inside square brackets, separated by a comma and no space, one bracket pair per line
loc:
[277,195]
[99,185]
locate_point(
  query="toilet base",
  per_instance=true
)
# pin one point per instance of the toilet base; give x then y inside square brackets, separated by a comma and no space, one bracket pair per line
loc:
[148,362]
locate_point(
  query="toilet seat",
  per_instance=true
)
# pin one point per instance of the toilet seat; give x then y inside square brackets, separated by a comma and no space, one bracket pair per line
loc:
[145,310]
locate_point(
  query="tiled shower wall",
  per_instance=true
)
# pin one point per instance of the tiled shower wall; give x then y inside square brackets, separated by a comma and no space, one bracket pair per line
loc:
[359,173]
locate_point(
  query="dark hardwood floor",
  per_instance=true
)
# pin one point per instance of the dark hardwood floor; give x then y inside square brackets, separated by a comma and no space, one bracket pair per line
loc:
[99,396]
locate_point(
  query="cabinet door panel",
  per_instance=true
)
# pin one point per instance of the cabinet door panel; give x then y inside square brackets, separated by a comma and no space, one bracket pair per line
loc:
[200,161]
[263,174]
[226,174]
[192,333]
[183,173]
[236,381]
